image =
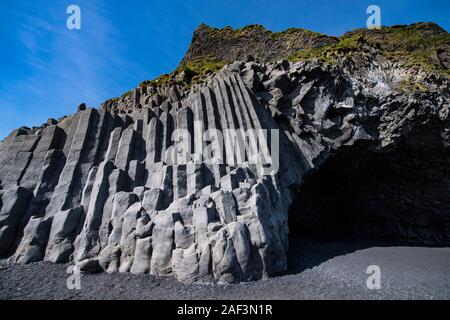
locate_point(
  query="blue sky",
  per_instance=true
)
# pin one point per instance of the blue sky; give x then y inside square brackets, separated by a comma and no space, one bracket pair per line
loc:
[47,70]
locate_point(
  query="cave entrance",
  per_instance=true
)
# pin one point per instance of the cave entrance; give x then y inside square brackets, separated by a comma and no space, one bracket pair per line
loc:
[360,196]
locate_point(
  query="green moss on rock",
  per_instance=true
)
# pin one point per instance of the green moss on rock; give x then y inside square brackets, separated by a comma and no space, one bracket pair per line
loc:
[330,53]
[201,67]
[417,45]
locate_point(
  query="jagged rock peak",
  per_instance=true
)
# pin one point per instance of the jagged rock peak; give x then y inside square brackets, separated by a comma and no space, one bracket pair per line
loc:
[419,45]
[228,44]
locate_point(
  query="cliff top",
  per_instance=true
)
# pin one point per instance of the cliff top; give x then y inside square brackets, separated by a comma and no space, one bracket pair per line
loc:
[228,44]
[422,44]
[420,41]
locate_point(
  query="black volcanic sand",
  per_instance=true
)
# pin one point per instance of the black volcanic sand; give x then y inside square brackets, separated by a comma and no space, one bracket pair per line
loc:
[318,270]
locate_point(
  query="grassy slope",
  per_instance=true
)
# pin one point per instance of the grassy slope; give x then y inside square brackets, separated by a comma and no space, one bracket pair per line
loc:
[415,46]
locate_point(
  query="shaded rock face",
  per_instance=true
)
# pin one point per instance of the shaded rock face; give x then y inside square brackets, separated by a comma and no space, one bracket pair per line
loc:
[398,195]
[353,152]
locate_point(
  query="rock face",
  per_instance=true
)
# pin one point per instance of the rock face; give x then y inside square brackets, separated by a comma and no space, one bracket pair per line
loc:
[253,40]
[142,184]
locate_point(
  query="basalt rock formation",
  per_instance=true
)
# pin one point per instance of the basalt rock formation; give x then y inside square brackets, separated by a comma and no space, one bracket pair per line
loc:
[252,40]
[359,142]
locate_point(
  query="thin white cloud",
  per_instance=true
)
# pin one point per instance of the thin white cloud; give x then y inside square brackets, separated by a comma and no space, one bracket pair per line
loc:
[65,67]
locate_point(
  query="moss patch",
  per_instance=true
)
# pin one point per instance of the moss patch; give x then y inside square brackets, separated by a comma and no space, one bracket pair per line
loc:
[414,46]
[331,53]
[193,72]
[198,69]
[411,85]
[165,79]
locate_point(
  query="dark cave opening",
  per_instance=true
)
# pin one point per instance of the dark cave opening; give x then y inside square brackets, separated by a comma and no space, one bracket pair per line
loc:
[361,198]
[401,195]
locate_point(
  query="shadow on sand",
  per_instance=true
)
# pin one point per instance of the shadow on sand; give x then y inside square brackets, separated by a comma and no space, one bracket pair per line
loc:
[307,253]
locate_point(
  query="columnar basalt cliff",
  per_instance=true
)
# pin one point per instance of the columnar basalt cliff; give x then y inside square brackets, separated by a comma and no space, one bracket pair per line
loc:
[364,131]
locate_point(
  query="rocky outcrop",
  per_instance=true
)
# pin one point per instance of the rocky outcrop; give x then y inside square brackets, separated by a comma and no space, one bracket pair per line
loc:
[201,181]
[252,40]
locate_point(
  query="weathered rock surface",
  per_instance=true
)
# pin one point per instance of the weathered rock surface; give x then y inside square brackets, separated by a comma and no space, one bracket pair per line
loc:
[112,190]
[252,40]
